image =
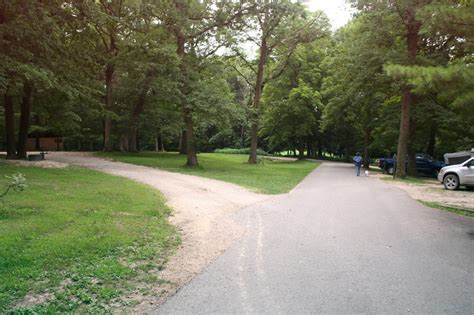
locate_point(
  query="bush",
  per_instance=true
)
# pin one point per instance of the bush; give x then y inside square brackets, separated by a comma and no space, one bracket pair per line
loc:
[18,184]
[240,151]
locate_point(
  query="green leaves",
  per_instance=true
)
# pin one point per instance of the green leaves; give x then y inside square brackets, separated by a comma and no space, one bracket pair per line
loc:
[17,183]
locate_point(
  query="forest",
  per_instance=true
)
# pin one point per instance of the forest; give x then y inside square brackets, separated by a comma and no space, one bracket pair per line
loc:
[199,76]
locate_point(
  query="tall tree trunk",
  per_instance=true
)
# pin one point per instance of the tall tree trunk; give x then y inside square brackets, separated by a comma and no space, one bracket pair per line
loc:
[124,143]
[37,135]
[25,113]
[190,145]
[187,114]
[135,117]
[301,151]
[182,143]
[160,143]
[9,126]
[413,27]
[256,101]
[432,139]
[411,166]
[320,149]
[309,149]
[366,149]
[109,77]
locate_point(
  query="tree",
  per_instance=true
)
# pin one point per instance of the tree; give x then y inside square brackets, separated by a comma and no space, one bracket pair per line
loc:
[198,29]
[290,122]
[147,67]
[297,90]
[448,79]
[108,19]
[32,39]
[356,85]
[278,26]
[408,13]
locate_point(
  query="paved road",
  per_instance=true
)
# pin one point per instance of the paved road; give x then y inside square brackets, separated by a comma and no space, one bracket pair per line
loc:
[340,244]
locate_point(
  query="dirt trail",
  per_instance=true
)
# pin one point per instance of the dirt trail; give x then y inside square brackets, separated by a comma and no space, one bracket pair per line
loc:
[433,191]
[202,210]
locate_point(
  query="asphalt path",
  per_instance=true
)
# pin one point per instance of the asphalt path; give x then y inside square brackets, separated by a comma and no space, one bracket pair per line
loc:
[339,244]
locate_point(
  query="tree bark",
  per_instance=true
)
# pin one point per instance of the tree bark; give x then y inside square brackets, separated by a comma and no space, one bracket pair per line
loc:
[256,101]
[320,149]
[411,166]
[187,114]
[182,143]
[135,117]
[190,145]
[25,113]
[301,151]
[402,151]
[309,149]
[432,139]
[108,102]
[160,143]
[366,149]
[9,126]
[413,27]
[124,143]
[37,135]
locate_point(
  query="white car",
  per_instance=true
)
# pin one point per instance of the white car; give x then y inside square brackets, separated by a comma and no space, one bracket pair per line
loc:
[457,175]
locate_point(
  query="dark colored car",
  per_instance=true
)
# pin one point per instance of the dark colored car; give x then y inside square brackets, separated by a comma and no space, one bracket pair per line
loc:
[425,164]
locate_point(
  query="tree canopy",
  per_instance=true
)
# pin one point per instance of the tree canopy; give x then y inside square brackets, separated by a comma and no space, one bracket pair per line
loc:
[195,76]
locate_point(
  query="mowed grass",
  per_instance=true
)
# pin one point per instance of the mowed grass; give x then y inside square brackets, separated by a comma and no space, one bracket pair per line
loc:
[79,240]
[270,177]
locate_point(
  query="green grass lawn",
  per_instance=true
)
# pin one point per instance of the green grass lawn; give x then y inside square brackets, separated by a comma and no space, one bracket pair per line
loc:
[271,177]
[81,238]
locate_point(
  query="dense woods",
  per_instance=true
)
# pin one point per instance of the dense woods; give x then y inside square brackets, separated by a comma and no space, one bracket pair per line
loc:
[195,76]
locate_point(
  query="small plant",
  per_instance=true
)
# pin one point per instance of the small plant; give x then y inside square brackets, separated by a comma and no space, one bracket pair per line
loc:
[17,183]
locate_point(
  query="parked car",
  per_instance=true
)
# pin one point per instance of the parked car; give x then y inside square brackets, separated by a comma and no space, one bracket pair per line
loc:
[458,157]
[457,175]
[425,164]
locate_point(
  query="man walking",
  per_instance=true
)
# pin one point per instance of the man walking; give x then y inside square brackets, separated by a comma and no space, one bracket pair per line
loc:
[358,163]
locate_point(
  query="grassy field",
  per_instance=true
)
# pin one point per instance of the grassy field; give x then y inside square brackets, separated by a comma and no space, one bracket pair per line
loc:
[271,177]
[79,240]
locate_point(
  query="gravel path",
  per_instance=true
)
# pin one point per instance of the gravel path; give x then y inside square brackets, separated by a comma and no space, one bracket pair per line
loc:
[202,210]
[339,244]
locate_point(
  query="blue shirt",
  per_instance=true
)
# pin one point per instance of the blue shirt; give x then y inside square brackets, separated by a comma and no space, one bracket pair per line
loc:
[357,160]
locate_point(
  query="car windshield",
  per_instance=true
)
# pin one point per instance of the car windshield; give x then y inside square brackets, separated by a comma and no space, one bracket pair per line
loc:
[424,156]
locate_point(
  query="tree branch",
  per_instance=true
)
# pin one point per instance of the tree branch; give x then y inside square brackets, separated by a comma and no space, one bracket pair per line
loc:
[242,75]
[282,68]
[247,63]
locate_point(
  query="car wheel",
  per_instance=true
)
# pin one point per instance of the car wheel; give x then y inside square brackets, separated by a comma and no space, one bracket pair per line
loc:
[451,182]
[390,170]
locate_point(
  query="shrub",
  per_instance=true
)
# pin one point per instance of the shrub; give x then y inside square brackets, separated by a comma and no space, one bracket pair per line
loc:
[17,183]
